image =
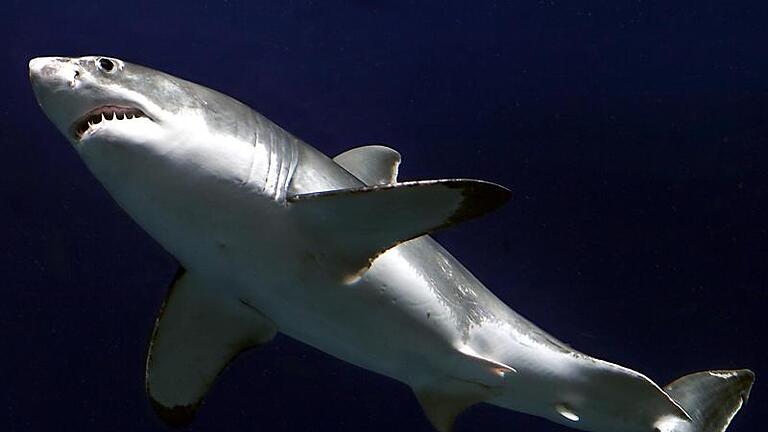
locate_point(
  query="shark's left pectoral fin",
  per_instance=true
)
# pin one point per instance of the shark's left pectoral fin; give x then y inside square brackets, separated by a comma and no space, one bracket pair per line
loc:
[358,224]
[196,335]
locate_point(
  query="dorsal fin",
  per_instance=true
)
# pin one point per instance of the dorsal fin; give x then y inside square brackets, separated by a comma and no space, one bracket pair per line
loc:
[372,164]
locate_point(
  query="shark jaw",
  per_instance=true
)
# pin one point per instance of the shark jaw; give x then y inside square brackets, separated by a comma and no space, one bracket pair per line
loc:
[98,97]
[101,117]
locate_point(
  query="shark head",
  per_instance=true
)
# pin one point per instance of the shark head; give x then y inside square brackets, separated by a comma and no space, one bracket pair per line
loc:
[167,150]
[126,120]
[99,98]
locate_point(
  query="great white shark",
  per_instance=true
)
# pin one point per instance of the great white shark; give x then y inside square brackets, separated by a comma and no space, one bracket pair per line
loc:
[271,235]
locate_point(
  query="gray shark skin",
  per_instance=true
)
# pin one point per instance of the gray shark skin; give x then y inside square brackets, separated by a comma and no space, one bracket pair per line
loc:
[272,235]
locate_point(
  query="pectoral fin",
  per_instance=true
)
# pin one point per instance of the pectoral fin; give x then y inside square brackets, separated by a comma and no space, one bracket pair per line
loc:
[197,333]
[358,224]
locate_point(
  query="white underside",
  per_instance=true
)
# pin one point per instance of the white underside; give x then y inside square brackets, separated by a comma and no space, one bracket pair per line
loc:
[394,320]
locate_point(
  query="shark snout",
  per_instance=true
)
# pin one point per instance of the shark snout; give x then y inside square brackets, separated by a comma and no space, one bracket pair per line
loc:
[54,82]
[40,67]
[37,64]
[53,72]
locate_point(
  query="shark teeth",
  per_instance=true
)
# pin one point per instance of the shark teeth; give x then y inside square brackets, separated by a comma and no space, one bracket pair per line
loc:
[104,114]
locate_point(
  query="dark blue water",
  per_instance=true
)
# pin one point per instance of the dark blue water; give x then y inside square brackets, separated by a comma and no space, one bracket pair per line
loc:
[634,136]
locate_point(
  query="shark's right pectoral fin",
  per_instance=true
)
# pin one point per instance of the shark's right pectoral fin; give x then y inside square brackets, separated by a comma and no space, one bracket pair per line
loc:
[359,224]
[196,335]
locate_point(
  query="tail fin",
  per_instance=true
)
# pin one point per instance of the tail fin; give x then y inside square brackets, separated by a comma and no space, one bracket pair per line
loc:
[711,399]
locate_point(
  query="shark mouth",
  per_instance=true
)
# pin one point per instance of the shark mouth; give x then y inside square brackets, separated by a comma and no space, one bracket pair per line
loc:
[103,114]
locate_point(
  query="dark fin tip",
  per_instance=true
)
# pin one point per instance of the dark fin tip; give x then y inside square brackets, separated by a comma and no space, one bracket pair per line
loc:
[479,198]
[179,416]
[748,379]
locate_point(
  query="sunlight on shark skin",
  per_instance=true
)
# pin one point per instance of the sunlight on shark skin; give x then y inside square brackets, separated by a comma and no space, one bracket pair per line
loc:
[271,235]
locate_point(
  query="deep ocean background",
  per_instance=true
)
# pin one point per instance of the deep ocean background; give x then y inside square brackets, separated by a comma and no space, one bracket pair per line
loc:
[634,135]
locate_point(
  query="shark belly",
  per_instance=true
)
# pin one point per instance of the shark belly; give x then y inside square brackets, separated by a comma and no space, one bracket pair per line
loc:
[413,315]
[392,320]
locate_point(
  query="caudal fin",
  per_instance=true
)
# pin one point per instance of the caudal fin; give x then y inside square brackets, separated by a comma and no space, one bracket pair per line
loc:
[710,398]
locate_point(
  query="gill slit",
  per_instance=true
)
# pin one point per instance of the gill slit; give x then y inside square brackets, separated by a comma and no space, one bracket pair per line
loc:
[282,158]
[279,168]
[253,159]
[273,170]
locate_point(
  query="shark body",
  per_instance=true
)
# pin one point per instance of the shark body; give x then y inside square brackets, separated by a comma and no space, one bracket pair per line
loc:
[272,235]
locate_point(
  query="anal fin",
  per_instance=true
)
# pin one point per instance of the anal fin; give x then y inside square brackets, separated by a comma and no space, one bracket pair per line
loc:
[444,400]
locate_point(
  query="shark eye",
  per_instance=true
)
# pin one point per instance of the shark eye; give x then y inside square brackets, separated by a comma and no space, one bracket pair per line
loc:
[106,64]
